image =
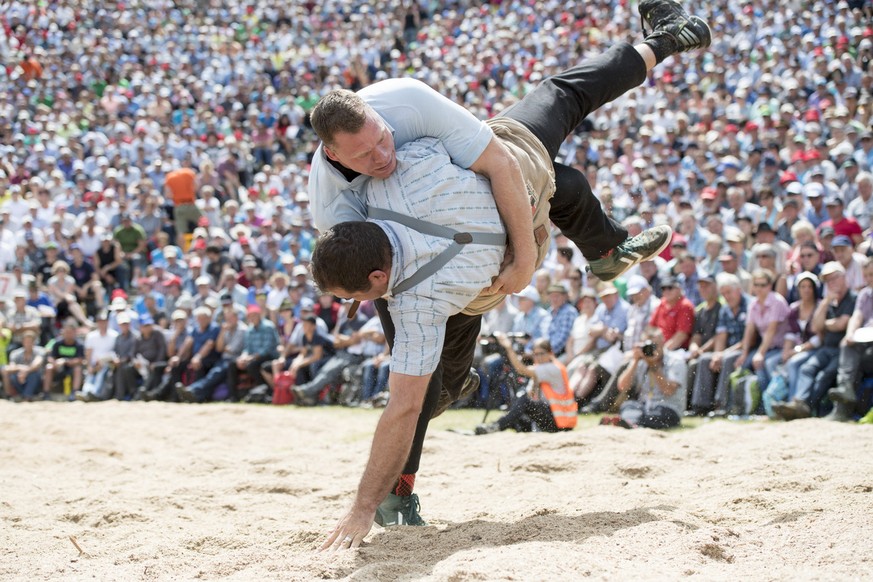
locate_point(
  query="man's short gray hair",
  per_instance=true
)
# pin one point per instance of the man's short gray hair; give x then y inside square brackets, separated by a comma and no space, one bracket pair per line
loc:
[728,280]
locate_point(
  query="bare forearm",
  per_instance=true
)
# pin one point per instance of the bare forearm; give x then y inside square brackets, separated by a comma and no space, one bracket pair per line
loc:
[391,445]
[392,440]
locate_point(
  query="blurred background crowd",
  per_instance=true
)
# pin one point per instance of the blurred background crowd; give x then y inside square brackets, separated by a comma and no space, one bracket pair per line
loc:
[155,228]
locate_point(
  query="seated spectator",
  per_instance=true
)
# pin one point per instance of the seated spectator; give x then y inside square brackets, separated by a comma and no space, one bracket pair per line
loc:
[856,353]
[356,340]
[730,263]
[316,348]
[808,257]
[99,355]
[65,360]
[261,345]
[61,287]
[674,316]
[229,343]
[852,262]
[22,376]
[818,373]
[801,340]
[548,404]
[642,305]
[704,331]
[562,314]
[126,348]
[659,377]
[179,345]
[109,263]
[713,368]
[20,319]
[603,350]
[766,327]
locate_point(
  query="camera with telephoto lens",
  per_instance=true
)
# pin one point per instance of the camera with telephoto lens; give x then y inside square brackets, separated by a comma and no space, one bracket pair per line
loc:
[490,345]
[649,348]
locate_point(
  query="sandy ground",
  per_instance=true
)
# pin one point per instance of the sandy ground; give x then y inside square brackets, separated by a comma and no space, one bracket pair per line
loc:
[155,491]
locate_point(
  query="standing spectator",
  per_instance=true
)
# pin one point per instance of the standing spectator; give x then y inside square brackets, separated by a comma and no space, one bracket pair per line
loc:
[181,186]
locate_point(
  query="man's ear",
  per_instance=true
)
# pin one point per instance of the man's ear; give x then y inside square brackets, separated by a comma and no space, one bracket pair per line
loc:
[378,277]
[329,153]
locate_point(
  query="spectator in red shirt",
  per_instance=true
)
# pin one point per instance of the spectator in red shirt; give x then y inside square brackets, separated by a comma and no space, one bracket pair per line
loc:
[842,224]
[674,316]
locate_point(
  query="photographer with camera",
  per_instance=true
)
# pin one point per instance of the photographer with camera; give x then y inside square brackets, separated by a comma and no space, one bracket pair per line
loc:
[528,325]
[548,403]
[660,378]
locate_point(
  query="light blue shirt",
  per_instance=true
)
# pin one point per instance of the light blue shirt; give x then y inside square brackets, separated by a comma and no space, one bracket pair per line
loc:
[616,317]
[411,110]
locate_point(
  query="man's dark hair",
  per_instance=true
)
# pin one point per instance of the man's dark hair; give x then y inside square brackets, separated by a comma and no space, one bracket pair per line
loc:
[340,111]
[346,254]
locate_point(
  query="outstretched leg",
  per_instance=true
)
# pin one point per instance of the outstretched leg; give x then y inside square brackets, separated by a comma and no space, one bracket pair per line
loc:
[559,104]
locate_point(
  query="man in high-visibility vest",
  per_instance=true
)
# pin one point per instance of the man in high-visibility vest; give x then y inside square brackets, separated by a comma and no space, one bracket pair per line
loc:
[549,403]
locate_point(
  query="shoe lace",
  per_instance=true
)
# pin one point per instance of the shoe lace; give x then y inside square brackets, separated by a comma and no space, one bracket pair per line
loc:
[411,515]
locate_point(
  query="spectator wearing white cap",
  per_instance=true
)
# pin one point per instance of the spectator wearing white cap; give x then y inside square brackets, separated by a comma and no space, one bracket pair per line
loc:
[852,262]
[861,208]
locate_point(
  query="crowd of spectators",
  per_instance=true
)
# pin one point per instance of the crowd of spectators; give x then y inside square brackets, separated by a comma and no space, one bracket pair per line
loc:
[155,227]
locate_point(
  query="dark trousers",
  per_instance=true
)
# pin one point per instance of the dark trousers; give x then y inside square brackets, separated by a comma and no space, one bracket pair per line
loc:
[638,414]
[462,332]
[127,378]
[215,377]
[855,361]
[552,111]
[253,370]
[525,412]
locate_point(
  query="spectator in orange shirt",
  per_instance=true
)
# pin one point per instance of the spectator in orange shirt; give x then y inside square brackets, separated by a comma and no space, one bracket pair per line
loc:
[674,316]
[181,187]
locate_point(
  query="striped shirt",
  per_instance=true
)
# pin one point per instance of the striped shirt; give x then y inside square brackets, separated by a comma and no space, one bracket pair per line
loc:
[427,186]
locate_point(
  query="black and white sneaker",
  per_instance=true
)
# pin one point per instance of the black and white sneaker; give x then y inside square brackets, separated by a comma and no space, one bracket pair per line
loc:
[646,245]
[668,18]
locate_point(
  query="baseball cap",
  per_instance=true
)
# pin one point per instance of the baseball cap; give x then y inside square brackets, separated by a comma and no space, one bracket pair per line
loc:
[557,288]
[834,201]
[306,304]
[826,231]
[794,188]
[146,320]
[123,317]
[842,241]
[806,275]
[299,270]
[203,280]
[253,309]
[728,256]
[180,314]
[831,268]
[668,281]
[529,292]
[636,284]
[813,190]
[607,290]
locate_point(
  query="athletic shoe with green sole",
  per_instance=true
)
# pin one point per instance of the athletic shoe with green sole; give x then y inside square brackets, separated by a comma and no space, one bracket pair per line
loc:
[399,510]
[646,245]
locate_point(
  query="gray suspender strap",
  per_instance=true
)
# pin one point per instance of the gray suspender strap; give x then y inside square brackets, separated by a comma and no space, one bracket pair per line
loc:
[460,239]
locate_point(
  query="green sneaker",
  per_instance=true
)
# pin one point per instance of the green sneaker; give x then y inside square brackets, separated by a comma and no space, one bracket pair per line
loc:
[646,245]
[867,418]
[397,510]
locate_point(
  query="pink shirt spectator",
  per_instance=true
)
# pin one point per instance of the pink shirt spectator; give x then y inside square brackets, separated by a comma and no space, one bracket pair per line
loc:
[774,308]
